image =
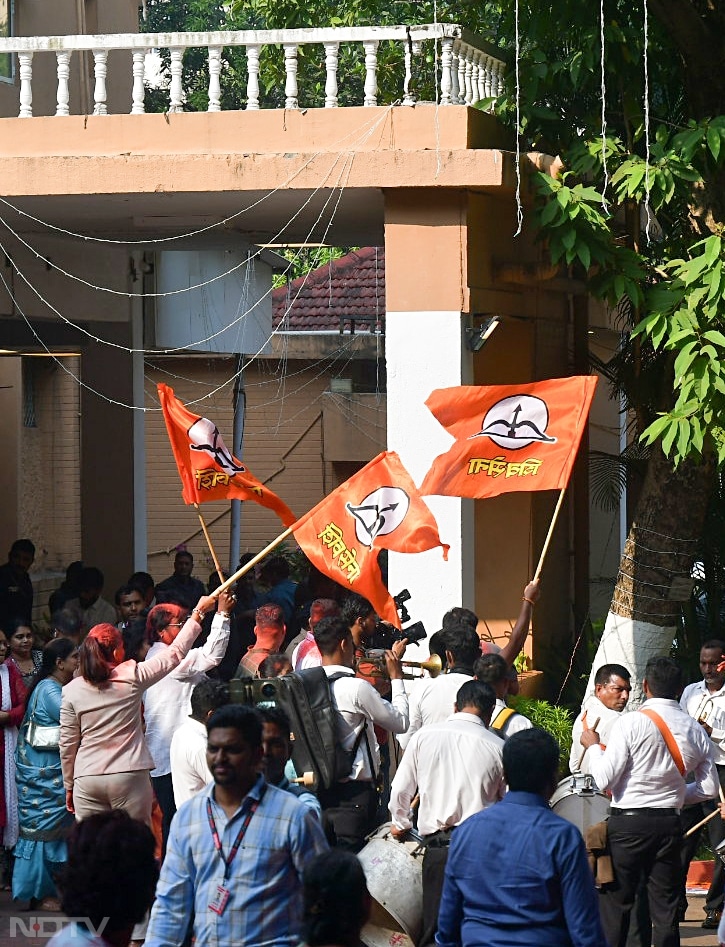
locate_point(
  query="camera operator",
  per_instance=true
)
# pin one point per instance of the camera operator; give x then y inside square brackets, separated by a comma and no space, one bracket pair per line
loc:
[350,806]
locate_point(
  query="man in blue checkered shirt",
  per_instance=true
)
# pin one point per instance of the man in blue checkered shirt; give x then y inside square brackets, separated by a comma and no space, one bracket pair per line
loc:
[236,851]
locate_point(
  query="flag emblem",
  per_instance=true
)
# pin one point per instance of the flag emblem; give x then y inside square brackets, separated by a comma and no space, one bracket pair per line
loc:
[204,437]
[516,422]
[379,514]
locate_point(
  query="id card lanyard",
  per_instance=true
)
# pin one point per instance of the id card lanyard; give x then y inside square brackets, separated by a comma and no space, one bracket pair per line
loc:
[219,902]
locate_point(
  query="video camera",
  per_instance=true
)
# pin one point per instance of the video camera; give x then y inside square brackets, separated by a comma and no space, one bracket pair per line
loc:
[385,635]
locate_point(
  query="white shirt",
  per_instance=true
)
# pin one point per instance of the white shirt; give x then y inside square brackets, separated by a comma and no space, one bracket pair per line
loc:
[699,703]
[360,706]
[514,724]
[311,657]
[458,769]
[167,704]
[638,768]
[592,710]
[189,771]
[433,701]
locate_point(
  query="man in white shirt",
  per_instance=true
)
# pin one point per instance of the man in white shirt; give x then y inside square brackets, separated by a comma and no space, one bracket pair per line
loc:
[645,767]
[189,770]
[348,807]
[432,698]
[493,670]
[168,702]
[457,769]
[704,701]
[612,687]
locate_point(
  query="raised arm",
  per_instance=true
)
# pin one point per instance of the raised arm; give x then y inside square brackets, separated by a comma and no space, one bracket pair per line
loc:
[148,672]
[512,648]
[200,660]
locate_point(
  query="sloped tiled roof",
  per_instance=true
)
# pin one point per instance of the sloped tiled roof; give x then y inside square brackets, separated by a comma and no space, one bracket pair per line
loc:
[351,288]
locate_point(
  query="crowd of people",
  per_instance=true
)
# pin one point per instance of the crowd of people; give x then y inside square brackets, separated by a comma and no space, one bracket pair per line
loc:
[121,732]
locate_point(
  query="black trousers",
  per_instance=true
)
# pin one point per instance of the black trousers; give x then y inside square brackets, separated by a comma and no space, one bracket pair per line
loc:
[164,792]
[715,829]
[645,847]
[348,813]
[434,869]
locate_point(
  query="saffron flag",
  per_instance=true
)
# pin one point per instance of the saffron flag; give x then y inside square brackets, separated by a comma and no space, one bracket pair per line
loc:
[207,469]
[509,437]
[379,507]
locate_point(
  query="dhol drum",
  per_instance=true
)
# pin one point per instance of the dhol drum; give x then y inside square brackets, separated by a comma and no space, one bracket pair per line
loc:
[394,873]
[578,800]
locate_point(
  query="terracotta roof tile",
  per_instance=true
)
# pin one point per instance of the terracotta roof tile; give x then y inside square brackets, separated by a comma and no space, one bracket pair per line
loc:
[352,288]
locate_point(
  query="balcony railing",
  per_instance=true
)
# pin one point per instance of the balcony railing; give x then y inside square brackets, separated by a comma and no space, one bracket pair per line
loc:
[467,68]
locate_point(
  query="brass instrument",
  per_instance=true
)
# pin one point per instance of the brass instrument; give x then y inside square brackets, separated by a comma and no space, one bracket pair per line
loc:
[375,658]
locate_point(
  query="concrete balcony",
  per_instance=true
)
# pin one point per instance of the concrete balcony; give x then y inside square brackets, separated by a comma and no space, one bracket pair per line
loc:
[468,68]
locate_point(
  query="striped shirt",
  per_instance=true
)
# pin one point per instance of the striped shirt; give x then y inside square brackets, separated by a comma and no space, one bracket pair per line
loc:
[265,882]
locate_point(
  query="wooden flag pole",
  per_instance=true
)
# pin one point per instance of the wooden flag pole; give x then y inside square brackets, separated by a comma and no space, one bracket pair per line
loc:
[209,543]
[537,574]
[252,562]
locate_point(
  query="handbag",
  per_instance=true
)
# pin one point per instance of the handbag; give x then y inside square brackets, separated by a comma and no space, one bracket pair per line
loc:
[41,738]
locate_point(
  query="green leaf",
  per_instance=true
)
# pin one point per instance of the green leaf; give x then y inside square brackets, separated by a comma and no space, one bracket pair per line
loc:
[713,141]
[669,437]
[683,437]
[714,336]
[584,255]
[550,211]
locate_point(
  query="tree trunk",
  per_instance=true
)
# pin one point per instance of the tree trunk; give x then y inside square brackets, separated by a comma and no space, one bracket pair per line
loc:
[645,612]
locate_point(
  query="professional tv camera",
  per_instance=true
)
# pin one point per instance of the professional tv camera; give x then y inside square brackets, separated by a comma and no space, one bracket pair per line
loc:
[386,634]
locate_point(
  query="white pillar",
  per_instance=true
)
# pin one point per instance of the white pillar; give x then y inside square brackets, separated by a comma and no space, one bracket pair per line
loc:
[140,523]
[426,350]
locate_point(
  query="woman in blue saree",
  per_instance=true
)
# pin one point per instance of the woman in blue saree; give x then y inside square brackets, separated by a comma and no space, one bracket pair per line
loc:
[44,821]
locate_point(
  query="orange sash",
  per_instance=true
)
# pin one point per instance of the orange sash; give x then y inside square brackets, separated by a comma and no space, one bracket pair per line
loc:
[667,737]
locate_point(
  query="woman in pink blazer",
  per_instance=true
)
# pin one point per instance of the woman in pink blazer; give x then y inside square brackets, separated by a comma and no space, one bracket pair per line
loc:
[105,760]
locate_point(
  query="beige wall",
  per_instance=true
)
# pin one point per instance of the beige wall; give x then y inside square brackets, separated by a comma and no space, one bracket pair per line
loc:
[49,489]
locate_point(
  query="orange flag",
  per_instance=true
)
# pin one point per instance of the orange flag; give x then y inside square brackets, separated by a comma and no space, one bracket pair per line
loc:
[377,508]
[207,469]
[509,437]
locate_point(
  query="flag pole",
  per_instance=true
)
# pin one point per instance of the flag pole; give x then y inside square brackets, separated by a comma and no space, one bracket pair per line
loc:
[209,543]
[252,562]
[559,502]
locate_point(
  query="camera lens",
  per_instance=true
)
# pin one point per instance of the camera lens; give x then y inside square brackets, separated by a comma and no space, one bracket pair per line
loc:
[268,690]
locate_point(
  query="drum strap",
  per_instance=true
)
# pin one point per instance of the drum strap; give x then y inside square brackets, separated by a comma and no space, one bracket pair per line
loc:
[667,737]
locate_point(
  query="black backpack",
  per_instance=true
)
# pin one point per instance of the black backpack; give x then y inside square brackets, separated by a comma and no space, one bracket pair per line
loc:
[306,697]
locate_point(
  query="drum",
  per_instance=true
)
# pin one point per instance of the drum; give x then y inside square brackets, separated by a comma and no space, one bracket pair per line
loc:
[394,873]
[578,800]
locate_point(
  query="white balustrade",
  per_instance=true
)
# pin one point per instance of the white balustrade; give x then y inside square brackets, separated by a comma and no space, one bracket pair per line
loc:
[446,70]
[290,71]
[176,90]
[215,71]
[461,75]
[25,62]
[252,77]
[100,69]
[63,68]
[137,93]
[371,72]
[468,69]
[332,60]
